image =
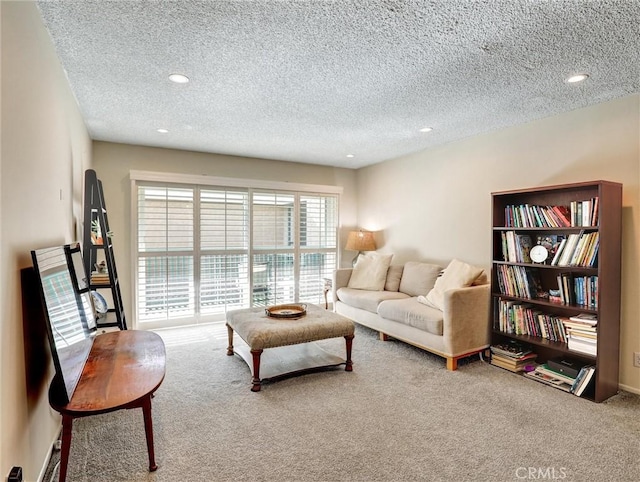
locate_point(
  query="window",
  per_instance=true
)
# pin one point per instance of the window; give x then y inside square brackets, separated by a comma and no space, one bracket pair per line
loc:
[203,250]
[165,281]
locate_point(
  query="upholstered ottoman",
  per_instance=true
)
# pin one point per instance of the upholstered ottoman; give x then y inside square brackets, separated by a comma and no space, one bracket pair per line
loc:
[260,332]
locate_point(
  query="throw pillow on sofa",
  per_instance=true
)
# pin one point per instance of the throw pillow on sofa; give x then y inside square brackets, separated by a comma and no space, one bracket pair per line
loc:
[457,275]
[394,275]
[418,278]
[370,272]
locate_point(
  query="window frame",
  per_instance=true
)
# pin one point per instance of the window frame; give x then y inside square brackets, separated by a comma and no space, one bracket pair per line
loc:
[252,186]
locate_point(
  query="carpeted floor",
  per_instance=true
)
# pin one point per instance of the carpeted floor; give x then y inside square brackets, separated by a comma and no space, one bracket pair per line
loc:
[399,416]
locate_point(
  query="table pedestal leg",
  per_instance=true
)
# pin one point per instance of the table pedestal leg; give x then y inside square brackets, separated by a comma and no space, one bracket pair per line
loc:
[349,342]
[67,424]
[148,430]
[230,334]
[256,370]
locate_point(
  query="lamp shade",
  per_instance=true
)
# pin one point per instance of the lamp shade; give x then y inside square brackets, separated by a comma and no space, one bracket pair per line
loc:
[360,241]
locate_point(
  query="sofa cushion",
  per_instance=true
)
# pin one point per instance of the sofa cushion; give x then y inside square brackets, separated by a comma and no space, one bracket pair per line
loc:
[370,271]
[409,312]
[418,278]
[457,275]
[394,275]
[366,300]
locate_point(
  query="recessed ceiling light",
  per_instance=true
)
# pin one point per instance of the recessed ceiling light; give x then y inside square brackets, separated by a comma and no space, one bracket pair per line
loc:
[179,78]
[162,131]
[426,129]
[350,155]
[577,78]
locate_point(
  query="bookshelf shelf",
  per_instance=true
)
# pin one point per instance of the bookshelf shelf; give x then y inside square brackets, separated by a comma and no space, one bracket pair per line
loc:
[560,307]
[588,280]
[577,269]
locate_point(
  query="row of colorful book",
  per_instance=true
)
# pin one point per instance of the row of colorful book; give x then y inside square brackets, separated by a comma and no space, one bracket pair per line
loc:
[578,249]
[576,290]
[524,282]
[579,332]
[518,281]
[534,216]
[578,213]
[519,318]
[585,213]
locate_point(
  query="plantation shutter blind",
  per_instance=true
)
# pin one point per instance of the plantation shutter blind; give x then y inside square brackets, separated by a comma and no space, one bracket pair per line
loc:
[273,237]
[166,287]
[318,249]
[224,250]
[203,250]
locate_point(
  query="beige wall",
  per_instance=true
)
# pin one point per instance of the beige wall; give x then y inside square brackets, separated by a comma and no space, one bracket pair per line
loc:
[45,149]
[435,205]
[113,162]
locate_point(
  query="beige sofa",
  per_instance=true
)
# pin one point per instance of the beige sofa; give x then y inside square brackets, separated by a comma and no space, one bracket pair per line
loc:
[402,309]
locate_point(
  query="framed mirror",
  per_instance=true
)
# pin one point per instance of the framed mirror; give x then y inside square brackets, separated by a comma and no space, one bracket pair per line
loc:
[69,313]
[74,261]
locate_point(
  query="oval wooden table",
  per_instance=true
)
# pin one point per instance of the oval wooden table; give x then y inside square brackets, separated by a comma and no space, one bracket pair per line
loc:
[122,371]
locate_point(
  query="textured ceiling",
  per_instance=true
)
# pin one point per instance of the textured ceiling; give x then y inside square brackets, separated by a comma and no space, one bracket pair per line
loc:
[312,81]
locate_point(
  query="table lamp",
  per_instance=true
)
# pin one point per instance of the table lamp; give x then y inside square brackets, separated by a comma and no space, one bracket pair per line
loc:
[360,241]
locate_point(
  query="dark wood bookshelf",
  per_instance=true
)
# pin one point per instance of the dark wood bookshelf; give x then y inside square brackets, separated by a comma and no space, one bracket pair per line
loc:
[607,269]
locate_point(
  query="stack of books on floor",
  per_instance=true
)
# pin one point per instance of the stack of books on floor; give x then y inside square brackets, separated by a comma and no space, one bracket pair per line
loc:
[567,375]
[512,355]
[582,333]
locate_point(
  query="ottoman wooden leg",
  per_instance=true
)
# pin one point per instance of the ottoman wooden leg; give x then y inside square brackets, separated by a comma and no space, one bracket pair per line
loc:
[256,370]
[349,342]
[230,347]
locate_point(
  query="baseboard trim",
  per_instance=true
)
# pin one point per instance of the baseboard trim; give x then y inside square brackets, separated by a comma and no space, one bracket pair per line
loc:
[44,468]
[627,388]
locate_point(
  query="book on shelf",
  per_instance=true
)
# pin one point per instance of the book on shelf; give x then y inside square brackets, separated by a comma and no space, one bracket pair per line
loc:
[579,326]
[578,213]
[578,290]
[537,216]
[550,380]
[586,318]
[513,364]
[519,281]
[100,277]
[511,348]
[578,249]
[583,380]
[519,318]
[584,213]
[583,346]
[544,368]
[578,329]
[516,247]
[558,253]
[563,213]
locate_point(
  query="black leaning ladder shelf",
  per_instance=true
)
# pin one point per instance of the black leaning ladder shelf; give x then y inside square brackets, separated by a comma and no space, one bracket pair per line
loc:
[95,220]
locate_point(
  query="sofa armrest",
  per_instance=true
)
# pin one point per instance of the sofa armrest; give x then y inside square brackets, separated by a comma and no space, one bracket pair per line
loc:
[466,318]
[341,277]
